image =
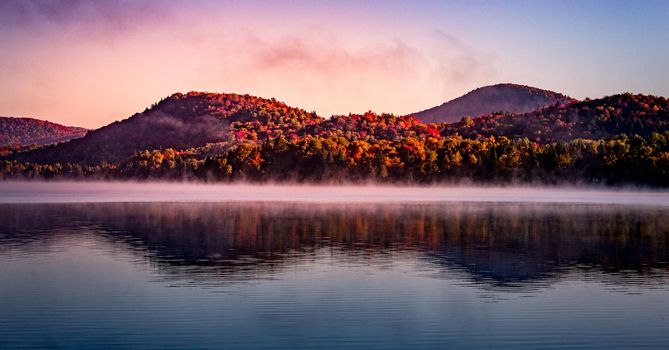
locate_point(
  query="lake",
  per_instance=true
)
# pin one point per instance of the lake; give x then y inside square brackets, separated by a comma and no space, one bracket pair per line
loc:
[171,266]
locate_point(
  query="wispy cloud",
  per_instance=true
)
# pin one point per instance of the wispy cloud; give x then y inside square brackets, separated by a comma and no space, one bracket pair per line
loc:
[327,71]
[458,63]
[108,17]
[328,57]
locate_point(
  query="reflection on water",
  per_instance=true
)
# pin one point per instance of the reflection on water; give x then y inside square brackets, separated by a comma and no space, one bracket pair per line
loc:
[496,244]
[315,275]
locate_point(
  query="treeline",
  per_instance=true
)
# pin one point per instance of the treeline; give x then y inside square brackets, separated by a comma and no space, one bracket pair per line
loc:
[619,160]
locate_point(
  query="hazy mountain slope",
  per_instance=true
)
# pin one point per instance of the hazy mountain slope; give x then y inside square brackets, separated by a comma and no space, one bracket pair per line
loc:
[179,121]
[511,98]
[30,131]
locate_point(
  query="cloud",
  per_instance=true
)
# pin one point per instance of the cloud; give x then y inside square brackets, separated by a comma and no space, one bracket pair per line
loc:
[315,71]
[448,60]
[108,17]
[459,63]
[328,57]
[335,74]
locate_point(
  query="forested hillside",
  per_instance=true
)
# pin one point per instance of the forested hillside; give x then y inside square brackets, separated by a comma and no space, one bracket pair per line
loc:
[227,137]
[181,121]
[591,119]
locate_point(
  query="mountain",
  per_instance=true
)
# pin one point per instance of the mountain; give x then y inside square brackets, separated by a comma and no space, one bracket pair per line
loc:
[30,131]
[209,124]
[606,117]
[227,137]
[179,121]
[510,98]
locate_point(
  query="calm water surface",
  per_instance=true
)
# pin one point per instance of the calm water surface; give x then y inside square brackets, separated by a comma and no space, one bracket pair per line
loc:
[166,275]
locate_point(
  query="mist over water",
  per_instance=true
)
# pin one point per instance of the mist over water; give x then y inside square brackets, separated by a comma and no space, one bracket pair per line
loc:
[78,192]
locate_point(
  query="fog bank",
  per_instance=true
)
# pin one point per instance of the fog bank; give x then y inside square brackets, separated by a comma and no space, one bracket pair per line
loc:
[96,192]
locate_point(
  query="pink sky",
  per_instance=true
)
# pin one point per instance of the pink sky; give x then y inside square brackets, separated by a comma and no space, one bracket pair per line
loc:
[88,64]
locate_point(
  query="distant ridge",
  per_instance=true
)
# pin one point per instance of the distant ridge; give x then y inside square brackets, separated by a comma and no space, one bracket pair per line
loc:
[15,131]
[512,98]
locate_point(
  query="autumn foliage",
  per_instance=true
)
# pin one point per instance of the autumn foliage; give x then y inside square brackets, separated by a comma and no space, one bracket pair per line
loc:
[228,137]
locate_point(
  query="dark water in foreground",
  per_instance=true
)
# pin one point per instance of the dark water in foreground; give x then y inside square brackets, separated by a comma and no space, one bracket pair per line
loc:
[217,275]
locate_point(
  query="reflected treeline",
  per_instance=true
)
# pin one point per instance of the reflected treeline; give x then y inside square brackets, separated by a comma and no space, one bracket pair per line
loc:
[499,243]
